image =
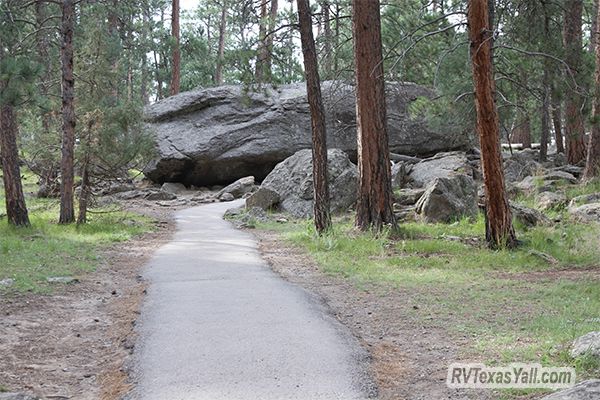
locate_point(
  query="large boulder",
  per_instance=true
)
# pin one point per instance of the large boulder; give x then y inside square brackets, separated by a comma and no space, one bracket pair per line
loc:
[292,181]
[520,165]
[448,199]
[442,165]
[238,188]
[587,344]
[217,135]
[586,390]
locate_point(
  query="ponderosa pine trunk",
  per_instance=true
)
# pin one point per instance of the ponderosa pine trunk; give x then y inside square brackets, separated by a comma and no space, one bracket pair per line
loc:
[499,227]
[16,209]
[176,62]
[259,73]
[592,166]
[317,112]
[327,48]
[574,125]
[221,49]
[67,210]
[374,206]
[268,67]
[557,123]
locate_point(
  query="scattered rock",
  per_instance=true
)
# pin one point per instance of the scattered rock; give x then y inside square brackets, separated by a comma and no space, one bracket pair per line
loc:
[586,390]
[586,213]
[400,158]
[550,200]
[400,173]
[408,197]
[132,194]
[571,169]
[173,188]
[117,187]
[239,188]
[585,199]
[528,216]
[263,198]
[160,195]
[448,199]
[62,279]
[220,134]
[226,197]
[442,165]
[16,396]
[587,344]
[559,176]
[173,203]
[8,282]
[292,181]
[519,166]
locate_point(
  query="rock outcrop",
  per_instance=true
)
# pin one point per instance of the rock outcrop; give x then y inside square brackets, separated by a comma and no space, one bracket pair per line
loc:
[292,183]
[448,199]
[218,135]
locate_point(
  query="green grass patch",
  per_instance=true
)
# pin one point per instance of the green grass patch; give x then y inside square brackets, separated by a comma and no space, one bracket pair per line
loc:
[515,305]
[30,255]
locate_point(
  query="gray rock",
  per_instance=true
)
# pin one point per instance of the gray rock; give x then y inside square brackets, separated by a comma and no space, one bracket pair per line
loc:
[239,188]
[408,197]
[117,187]
[161,195]
[586,344]
[586,213]
[263,198]
[571,169]
[132,194]
[173,188]
[292,181]
[226,197]
[585,199]
[586,390]
[448,199]
[62,279]
[550,200]
[442,165]
[220,134]
[8,282]
[400,173]
[559,176]
[16,396]
[519,166]
[528,216]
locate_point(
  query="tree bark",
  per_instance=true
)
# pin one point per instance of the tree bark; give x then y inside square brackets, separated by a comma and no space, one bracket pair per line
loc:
[221,50]
[545,137]
[16,210]
[259,73]
[592,166]
[268,67]
[557,122]
[176,72]
[574,126]
[67,211]
[317,113]
[327,48]
[499,228]
[374,206]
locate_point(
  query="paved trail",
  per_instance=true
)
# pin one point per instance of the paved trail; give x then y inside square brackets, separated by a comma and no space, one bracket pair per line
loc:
[218,324]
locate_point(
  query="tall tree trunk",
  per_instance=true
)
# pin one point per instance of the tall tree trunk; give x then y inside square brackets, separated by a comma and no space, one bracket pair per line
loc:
[317,113]
[268,68]
[557,122]
[158,77]
[593,28]
[499,228]
[259,73]
[592,166]
[67,211]
[545,137]
[42,42]
[374,206]
[327,57]
[176,72]
[574,127]
[221,50]
[16,210]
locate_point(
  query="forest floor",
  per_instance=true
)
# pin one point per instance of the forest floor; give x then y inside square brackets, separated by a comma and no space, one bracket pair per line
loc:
[73,340]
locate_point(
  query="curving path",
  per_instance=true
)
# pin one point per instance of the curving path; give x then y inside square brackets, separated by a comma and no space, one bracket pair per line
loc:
[218,324]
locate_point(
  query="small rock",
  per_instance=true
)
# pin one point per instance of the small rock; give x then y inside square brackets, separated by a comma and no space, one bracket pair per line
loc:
[263,198]
[559,176]
[161,196]
[226,197]
[586,213]
[586,390]
[16,396]
[550,200]
[239,188]
[528,216]
[408,197]
[400,173]
[585,199]
[62,279]
[586,344]
[173,188]
[448,199]
[8,282]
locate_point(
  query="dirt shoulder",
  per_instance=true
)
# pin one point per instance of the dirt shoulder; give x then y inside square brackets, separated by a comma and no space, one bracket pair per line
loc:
[410,356]
[73,343]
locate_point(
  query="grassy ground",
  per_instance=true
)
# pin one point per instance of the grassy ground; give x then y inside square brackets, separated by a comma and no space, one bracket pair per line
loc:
[46,249]
[525,305]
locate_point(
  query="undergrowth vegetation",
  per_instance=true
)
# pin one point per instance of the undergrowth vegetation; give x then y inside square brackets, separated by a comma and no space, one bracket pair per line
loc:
[28,256]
